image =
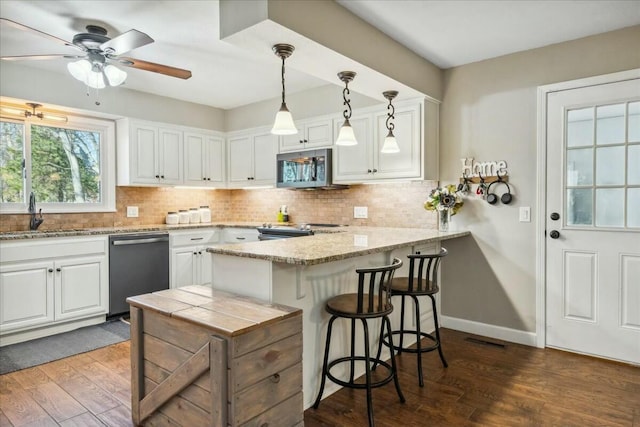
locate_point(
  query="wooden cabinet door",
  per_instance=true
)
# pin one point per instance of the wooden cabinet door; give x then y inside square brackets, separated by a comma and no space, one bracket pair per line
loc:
[81,287]
[354,163]
[265,150]
[240,161]
[183,267]
[406,163]
[145,155]
[170,143]
[26,295]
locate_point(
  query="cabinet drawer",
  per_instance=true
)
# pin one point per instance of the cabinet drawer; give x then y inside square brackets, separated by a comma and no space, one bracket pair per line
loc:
[48,248]
[285,414]
[194,238]
[266,361]
[267,393]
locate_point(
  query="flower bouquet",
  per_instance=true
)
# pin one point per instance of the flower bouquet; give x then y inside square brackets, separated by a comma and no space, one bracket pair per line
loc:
[446,201]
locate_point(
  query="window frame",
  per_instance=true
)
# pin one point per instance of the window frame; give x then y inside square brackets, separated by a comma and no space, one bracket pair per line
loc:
[106,129]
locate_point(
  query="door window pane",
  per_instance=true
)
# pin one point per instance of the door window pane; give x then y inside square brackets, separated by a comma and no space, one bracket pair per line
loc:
[610,207]
[610,166]
[11,155]
[580,167]
[633,207]
[580,127]
[634,122]
[65,165]
[610,127]
[579,206]
[633,169]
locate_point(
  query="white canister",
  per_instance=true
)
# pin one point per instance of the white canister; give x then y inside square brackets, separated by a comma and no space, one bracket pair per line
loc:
[194,216]
[205,214]
[184,216]
[172,218]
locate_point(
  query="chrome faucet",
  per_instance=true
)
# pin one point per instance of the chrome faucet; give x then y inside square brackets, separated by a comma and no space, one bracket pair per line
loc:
[35,222]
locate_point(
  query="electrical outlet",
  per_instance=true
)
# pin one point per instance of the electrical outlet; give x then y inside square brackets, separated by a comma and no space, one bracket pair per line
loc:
[132,212]
[360,212]
[525,214]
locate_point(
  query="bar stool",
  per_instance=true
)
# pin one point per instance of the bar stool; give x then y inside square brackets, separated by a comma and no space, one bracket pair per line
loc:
[372,301]
[425,282]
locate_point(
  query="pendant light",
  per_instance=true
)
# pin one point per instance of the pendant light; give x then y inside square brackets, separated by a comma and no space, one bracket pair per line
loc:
[283,124]
[390,144]
[346,136]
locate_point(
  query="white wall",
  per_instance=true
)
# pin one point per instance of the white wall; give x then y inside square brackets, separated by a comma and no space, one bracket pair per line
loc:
[489,112]
[45,87]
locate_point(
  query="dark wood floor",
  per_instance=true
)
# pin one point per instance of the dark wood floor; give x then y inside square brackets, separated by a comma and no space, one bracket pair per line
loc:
[484,385]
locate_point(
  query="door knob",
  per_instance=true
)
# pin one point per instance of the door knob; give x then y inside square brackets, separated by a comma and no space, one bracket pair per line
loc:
[554,234]
[555,216]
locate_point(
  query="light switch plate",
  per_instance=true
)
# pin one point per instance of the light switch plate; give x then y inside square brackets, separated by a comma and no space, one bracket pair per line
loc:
[360,212]
[132,212]
[525,214]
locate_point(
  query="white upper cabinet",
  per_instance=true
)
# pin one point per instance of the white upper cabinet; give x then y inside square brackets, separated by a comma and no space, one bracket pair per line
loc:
[252,159]
[354,163]
[406,163]
[169,156]
[204,157]
[312,134]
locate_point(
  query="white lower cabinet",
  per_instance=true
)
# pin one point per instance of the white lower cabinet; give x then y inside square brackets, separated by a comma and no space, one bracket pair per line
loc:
[190,262]
[48,282]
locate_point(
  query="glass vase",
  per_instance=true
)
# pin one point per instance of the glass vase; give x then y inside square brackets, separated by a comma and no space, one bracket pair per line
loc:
[444,218]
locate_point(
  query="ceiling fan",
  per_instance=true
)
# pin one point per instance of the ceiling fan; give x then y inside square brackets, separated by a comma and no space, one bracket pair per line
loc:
[95,67]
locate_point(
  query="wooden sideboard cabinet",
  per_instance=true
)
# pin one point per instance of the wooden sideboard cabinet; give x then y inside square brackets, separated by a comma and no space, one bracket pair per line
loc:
[201,357]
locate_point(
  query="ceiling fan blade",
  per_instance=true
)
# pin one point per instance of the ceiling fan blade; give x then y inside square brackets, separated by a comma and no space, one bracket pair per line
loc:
[41,33]
[125,42]
[38,57]
[156,68]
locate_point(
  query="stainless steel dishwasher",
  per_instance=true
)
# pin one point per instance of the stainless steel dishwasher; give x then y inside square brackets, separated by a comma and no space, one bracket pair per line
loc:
[138,264]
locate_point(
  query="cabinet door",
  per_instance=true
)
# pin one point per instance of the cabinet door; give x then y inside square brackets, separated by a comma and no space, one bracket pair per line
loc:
[319,134]
[170,142]
[293,142]
[183,266]
[406,163]
[144,153]
[81,287]
[265,150]
[215,161]
[26,295]
[194,159]
[240,161]
[354,163]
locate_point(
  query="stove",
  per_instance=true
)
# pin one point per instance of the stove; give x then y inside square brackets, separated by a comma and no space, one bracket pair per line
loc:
[269,232]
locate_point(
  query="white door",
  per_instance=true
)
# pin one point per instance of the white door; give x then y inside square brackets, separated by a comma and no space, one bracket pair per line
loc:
[593,220]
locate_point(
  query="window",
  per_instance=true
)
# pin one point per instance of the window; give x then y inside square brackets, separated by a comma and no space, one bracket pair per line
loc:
[69,167]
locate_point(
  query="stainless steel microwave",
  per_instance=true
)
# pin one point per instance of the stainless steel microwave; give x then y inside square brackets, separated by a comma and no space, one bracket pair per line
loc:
[305,169]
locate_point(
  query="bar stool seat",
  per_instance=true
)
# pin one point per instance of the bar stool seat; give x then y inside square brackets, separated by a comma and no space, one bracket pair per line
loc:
[422,281]
[372,301]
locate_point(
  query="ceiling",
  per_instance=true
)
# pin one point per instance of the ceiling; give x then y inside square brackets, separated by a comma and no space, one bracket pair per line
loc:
[447,33]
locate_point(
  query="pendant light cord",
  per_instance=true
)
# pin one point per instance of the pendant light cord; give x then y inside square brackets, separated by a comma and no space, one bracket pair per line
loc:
[345,92]
[282,79]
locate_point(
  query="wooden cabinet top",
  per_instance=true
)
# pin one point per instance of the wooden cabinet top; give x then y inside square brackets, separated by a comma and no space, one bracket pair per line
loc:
[220,312]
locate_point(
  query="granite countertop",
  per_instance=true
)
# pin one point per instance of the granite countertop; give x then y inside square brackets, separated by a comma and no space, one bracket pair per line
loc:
[326,247]
[38,234]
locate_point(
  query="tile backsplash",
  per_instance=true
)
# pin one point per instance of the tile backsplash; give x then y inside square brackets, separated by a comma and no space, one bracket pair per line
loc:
[391,205]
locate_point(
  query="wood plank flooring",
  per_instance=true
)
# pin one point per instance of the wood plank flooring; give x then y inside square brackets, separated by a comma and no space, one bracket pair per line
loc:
[484,385]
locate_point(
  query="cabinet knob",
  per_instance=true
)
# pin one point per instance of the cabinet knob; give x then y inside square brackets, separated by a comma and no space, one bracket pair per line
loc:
[301,141]
[195,253]
[204,179]
[369,171]
[157,176]
[374,171]
[275,378]
[50,270]
[199,252]
[58,269]
[162,176]
[208,179]
[417,252]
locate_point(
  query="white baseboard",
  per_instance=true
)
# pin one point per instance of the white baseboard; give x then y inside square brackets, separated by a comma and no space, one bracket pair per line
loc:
[491,331]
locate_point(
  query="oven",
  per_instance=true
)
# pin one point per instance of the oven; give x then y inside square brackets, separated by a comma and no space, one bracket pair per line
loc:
[269,232]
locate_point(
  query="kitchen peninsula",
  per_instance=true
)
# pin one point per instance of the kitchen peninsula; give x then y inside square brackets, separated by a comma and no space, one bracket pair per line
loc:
[304,272]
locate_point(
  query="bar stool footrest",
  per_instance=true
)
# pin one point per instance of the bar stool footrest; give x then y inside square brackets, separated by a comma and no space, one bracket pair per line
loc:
[355,385]
[436,343]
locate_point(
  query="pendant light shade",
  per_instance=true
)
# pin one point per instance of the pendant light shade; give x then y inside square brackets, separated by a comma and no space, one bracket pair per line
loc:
[390,144]
[283,123]
[346,136]
[97,75]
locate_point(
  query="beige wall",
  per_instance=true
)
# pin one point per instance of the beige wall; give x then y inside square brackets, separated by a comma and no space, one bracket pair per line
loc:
[45,87]
[489,112]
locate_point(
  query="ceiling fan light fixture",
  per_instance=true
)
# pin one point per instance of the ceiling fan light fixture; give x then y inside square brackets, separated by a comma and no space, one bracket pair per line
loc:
[94,75]
[346,136]
[283,123]
[390,144]
[115,75]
